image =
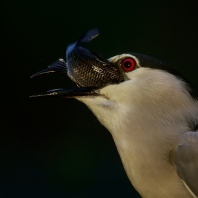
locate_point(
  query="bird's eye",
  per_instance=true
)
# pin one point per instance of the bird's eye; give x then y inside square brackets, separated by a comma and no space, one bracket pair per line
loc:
[128,64]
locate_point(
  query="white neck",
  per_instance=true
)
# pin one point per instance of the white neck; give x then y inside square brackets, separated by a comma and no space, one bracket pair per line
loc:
[145,119]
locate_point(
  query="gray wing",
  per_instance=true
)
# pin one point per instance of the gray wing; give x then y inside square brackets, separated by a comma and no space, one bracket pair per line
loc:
[186,160]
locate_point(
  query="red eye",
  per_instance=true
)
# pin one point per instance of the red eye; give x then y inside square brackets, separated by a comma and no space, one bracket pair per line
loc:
[128,64]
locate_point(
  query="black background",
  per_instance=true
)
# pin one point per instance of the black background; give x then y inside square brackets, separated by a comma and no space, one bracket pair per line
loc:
[56,147]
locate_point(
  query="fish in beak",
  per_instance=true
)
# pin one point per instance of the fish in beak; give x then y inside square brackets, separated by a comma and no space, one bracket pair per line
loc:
[87,69]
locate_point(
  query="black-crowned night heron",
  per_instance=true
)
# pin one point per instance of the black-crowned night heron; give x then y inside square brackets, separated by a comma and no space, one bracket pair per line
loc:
[150,110]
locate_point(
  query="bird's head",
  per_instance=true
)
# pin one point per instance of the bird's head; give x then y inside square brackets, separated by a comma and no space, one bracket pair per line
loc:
[115,84]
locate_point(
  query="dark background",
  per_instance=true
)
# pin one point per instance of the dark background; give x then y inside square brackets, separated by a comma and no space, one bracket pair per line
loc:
[56,147]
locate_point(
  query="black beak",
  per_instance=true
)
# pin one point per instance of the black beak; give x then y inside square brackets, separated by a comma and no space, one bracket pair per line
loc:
[87,69]
[68,93]
[58,66]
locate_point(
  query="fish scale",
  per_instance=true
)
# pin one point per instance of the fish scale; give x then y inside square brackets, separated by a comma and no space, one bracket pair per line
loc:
[89,72]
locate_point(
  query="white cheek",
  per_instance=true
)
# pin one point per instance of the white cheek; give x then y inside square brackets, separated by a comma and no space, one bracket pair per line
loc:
[133,74]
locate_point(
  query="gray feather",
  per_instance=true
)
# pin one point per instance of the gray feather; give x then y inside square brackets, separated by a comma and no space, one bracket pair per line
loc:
[187,160]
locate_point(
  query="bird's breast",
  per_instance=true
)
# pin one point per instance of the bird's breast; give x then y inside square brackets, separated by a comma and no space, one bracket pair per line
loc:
[149,168]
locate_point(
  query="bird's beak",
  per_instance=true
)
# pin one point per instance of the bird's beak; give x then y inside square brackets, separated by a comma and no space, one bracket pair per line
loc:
[68,93]
[87,69]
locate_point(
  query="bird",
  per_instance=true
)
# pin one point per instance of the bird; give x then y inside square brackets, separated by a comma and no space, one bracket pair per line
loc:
[150,109]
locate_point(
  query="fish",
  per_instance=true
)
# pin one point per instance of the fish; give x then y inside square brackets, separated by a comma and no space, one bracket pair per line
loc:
[87,69]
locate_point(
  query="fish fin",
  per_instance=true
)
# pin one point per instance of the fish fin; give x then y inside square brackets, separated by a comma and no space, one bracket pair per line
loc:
[89,35]
[85,38]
